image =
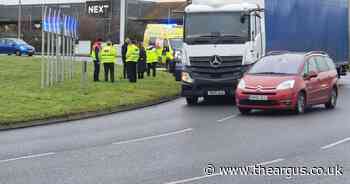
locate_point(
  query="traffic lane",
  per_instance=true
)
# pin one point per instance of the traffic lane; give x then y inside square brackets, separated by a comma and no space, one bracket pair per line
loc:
[322,166]
[175,158]
[283,135]
[104,130]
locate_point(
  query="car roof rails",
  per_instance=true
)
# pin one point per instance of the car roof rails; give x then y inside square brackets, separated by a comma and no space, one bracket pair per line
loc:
[317,52]
[277,52]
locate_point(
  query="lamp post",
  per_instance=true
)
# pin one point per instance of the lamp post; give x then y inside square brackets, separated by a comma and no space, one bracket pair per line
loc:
[19,18]
[123,15]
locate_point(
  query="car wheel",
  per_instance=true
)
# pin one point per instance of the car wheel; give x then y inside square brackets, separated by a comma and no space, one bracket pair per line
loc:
[245,111]
[192,100]
[18,53]
[301,104]
[332,103]
[30,55]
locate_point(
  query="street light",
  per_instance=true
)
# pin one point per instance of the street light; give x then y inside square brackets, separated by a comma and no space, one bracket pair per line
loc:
[123,15]
[19,18]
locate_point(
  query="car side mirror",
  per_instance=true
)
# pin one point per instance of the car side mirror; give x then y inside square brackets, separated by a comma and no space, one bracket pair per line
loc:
[311,75]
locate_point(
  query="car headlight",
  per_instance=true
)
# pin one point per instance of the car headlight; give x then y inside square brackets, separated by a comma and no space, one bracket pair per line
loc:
[286,85]
[241,84]
[186,77]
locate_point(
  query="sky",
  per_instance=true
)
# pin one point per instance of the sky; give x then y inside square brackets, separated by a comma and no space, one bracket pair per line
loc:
[55,1]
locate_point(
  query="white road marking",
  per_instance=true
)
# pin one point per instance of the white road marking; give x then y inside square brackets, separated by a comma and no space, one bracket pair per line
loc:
[336,143]
[219,174]
[27,157]
[271,162]
[154,137]
[227,118]
[193,179]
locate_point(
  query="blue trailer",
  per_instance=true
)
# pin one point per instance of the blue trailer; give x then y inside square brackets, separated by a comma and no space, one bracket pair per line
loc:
[309,25]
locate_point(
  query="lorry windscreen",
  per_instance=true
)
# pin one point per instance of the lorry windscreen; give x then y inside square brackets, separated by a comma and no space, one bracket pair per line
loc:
[216,28]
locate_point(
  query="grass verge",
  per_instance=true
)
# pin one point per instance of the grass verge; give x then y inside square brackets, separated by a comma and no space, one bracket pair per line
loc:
[22,99]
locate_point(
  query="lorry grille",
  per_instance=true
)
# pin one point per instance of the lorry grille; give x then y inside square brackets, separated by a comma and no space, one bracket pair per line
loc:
[231,66]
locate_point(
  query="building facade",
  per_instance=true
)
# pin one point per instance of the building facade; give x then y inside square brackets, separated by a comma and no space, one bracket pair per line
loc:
[90,27]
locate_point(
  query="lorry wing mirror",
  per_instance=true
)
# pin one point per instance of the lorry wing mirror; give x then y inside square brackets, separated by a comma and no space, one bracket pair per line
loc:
[243,18]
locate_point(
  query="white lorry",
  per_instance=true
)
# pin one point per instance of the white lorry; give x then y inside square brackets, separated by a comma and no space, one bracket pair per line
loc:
[222,38]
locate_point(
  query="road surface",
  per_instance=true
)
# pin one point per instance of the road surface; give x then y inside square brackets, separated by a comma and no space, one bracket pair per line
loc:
[173,143]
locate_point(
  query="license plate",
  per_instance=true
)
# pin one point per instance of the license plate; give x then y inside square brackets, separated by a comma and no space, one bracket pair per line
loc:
[216,93]
[258,97]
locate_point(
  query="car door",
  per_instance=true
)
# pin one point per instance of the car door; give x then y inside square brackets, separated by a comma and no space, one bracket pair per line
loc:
[9,46]
[312,84]
[325,78]
[2,46]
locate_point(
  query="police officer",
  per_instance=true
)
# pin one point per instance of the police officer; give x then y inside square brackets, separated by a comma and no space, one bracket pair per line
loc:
[96,59]
[141,65]
[152,60]
[132,57]
[167,57]
[124,51]
[108,55]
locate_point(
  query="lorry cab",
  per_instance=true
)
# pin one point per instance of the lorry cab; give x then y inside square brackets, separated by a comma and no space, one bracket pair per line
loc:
[220,42]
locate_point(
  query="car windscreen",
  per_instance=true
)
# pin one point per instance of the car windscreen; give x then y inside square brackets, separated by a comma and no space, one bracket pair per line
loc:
[216,27]
[278,64]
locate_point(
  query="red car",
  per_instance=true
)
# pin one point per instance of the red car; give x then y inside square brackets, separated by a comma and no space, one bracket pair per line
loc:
[289,81]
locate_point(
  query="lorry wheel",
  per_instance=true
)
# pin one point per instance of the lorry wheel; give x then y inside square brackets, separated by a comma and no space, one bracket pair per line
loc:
[192,100]
[332,103]
[301,104]
[245,111]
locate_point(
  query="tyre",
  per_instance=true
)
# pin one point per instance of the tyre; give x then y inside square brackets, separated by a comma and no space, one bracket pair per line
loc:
[192,100]
[332,102]
[301,104]
[30,55]
[18,53]
[245,111]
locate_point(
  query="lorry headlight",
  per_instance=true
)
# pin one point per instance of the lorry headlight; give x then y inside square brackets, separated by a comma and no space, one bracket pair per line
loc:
[186,77]
[289,84]
[241,84]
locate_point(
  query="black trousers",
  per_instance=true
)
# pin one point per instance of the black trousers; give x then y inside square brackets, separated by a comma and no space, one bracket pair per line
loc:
[124,69]
[140,75]
[109,69]
[153,67]
[132,71]
[96,71]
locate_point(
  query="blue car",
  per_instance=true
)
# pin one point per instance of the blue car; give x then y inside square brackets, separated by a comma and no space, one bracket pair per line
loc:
[15,46]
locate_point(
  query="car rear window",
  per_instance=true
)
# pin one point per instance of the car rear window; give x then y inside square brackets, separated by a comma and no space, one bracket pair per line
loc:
[278,64]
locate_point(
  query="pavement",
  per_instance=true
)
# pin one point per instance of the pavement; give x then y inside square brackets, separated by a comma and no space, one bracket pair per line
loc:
[172,143]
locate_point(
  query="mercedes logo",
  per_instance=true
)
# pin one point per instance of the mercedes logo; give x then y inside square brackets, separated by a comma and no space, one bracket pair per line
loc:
[216,61]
